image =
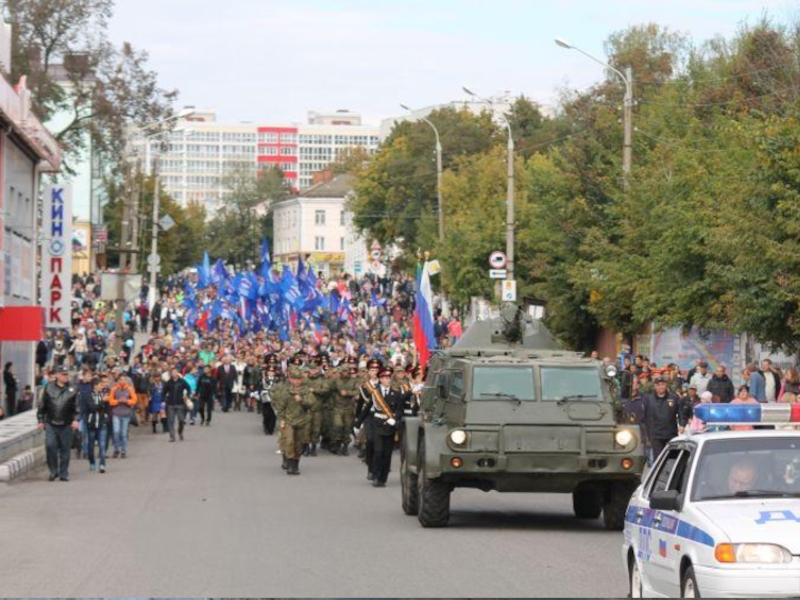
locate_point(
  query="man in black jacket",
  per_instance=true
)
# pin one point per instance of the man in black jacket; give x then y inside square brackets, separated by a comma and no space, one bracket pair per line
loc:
[661,410]
[56,415]
[174,392]
[721,385]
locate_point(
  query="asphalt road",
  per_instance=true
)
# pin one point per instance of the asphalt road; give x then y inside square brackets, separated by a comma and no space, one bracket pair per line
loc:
[214,516]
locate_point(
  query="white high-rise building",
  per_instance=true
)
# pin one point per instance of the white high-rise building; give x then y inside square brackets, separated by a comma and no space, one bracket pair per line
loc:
[197,155]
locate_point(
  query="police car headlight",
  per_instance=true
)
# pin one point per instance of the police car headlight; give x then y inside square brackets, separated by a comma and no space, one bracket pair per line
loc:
[623,437]
[752,553]
[458,437]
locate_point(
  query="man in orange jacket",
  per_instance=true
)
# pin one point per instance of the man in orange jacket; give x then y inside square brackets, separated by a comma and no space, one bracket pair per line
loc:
[122,399]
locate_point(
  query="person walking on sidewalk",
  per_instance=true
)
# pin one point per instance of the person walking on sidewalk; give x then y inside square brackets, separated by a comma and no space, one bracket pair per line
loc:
[176,391]
[56,412]
[98,413]
[122,399]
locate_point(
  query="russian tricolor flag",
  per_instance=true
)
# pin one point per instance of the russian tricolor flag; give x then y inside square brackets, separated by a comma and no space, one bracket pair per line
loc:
[424,338]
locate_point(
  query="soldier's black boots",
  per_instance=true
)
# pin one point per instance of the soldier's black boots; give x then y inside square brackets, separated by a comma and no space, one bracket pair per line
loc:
[293,466]
[305,450]
[313,451]
[285,464]
[344,451]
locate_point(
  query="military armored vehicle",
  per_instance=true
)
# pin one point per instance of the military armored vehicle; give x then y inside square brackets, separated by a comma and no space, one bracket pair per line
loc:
[507,408]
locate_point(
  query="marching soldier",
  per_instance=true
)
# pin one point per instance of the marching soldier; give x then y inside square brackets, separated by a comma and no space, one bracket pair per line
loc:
[344,406]
[384,412]
[363,434]
[321,388]
[293,406]
[270,379]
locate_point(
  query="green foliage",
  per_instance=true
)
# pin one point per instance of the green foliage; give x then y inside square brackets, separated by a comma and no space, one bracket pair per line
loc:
[236,231]
[72,69]
[396,192]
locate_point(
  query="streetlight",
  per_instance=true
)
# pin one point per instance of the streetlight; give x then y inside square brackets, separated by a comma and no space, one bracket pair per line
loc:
[438,170]
[627,78]
[152,260]
[509,190]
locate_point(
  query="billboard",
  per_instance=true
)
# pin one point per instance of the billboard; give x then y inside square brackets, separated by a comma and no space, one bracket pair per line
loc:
[57,255]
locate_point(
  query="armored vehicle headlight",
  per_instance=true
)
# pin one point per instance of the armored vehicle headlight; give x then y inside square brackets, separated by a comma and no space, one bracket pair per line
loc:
[611,371]
[623,437]
[458,437]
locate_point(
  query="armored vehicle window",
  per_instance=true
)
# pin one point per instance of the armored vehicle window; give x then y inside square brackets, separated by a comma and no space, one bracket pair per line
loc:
[569,383]
[498,383]
[457,387]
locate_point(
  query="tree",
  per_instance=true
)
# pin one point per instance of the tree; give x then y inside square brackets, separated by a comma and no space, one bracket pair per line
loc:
[396,193]
[61,46]
[236,231]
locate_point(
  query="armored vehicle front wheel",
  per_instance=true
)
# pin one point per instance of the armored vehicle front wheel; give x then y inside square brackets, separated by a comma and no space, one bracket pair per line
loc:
[434,496]
[409,485]
[587,502]
[615,504]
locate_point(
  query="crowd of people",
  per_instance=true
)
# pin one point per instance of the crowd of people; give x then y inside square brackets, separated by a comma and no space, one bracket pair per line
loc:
[662,400]
[327,385]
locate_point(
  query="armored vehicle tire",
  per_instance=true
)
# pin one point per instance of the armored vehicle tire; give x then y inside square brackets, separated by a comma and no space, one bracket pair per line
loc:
[434,496]
[615,504]
[587,503]
[409,485]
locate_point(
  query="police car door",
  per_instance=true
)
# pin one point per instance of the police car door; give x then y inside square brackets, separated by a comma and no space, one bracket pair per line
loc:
[657,537]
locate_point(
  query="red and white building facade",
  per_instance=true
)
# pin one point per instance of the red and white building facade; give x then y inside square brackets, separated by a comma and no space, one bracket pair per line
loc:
[201,151]
[27,151]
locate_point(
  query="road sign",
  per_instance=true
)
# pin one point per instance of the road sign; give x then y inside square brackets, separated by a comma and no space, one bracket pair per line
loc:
[166,223]
[497,273]
[509,290]
[153,260]
[498,260]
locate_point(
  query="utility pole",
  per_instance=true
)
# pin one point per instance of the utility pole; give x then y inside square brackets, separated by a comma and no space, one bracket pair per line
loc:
[154,235]
[510,206]
[134,217]
[627,149]
[125,223]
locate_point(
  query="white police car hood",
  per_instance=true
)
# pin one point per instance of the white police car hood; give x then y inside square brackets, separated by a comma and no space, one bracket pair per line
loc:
[768,521]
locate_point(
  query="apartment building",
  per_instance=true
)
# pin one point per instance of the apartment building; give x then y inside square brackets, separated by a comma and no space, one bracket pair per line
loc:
[201,151]
[316,224]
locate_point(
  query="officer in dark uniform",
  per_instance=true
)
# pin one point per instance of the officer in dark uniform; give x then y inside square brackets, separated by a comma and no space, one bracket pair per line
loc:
[661,415]
[270,378]
[384,412]
[374,366]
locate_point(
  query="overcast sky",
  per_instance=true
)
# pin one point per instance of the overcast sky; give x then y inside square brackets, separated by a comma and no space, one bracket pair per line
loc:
[271,61]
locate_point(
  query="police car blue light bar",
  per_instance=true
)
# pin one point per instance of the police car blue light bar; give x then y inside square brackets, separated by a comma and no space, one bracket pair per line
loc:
[748,413]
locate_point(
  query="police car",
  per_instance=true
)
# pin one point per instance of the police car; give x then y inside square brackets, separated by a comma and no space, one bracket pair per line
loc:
[719,513]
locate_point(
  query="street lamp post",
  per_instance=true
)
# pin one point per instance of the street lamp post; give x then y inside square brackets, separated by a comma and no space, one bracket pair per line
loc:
[152,260]
[627,114]
[438,171]
[509,190]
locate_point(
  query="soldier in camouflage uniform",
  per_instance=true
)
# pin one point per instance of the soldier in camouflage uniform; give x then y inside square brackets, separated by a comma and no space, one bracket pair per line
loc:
[293,403]
[344,407]
[322,388]
[332,375]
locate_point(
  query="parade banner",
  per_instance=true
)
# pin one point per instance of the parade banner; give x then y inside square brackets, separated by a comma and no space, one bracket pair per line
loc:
[57,255]
[715,347]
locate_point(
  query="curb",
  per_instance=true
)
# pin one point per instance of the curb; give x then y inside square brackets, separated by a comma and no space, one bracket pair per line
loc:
[21,464]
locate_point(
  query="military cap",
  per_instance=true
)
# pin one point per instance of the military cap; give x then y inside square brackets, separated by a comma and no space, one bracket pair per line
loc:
[385,372]
[374,363]
[296,372]
[296,361]
[659,379]
[61,369]
[351,360]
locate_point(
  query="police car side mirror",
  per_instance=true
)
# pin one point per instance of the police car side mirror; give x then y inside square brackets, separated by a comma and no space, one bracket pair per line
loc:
[665,500]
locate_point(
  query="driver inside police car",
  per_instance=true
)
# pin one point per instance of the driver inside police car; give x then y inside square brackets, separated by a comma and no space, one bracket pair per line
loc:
[742,476]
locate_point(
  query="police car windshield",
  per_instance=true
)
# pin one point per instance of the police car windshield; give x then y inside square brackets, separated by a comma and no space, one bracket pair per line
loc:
[503,383]
[748,467]
[569,383]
